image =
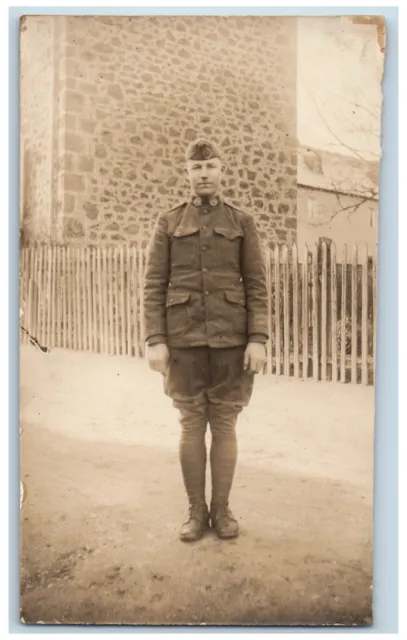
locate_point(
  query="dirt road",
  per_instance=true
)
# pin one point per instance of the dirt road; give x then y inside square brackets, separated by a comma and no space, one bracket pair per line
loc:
[104,502]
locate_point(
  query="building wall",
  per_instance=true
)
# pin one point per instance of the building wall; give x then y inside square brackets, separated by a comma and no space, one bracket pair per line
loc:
[36,114]
[348,221]
[136,90]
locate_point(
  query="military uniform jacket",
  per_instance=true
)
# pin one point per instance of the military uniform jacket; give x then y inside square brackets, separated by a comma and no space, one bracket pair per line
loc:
[205,281]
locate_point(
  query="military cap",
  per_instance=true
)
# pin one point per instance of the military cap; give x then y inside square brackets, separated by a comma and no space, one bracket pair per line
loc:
[202,150]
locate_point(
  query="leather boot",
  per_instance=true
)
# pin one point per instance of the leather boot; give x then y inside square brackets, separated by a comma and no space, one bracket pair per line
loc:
[224,522]
[197,523]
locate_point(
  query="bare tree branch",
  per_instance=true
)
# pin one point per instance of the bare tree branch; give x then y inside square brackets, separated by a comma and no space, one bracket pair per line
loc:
[343,144]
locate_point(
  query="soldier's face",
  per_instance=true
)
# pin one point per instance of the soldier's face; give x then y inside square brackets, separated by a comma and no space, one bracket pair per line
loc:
[204,176]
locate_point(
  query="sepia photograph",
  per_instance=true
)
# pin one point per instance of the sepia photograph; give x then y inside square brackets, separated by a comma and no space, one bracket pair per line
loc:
[199,202]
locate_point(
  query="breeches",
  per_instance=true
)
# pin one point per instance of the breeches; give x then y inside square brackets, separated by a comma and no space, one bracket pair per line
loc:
[200,376]
[208,386]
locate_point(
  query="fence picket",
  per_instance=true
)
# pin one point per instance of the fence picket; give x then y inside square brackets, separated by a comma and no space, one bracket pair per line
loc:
[286,310]
[141,289]
[128,299]
[40,281]
[344,285]
[123,323]
[29,321]
[354,294]
[115,292]
[305,312]
[92,280]
[136,301]
[315,323]
[277,308]
[46,296]
[334,313]
[102,308]
[110,303]
[69,297]
[64,297]
[23,291]
[30,328]
[269,363]
[34,331]
[78,297]
[374,292]
[104,286]
[53,297]
[87,306]
[58,331]
[324,291]
[295,310]
[364,315]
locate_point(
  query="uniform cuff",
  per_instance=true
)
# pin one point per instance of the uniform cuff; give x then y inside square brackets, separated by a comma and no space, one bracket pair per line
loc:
[159,339]
[258,337]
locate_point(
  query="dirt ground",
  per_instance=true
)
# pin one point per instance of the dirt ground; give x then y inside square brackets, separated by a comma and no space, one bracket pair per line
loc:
[104,501]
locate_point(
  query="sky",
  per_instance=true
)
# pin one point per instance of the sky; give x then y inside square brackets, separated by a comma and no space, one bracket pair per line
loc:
[339,73]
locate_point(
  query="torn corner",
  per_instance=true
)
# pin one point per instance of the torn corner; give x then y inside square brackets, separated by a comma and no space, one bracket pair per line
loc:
[23,25]
[379,22]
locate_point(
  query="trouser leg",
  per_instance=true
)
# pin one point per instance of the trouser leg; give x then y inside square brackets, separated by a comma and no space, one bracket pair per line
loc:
[192,451]
[230,390]
[223,454]
[186,383]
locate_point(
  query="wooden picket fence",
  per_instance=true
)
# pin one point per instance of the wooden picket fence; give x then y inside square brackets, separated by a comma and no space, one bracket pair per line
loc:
[321,320]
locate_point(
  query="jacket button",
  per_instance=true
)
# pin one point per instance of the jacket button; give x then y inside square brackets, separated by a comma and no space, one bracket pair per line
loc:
[203,248]
[204,269]
[207,293]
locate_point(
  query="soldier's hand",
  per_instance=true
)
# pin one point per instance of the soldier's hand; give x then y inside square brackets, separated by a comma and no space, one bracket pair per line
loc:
[158,357]
[254,357]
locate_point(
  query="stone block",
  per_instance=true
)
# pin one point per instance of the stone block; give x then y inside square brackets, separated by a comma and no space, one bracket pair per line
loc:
[74,101]
[69,204]
[91,210]
[290,223]
[115,91]
[74,182]
[131,126]
[100,151]
[74,142]
[283,208]
[70,121]
[73,228]
[87,125]
[133,229]
[85,163]
[102,47]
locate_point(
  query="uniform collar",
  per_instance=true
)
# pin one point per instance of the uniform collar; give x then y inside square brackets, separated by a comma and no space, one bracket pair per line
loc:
[201,201]
[191,219]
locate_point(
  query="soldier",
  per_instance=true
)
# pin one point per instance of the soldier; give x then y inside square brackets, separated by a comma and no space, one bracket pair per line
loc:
[205,303]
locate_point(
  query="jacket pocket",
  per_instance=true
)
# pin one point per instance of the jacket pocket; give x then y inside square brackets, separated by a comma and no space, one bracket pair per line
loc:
[184,246]
[236,298]
[228,233]
[178,314]
[177,297]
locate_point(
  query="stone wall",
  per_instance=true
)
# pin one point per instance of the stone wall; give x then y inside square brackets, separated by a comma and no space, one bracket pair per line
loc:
[136,90]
